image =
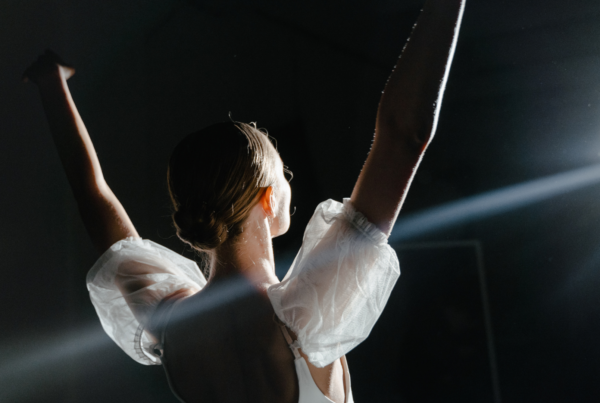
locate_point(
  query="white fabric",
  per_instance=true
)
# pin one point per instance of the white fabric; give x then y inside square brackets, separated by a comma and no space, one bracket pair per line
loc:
[154,272]
[331,297]
[338,284]
[309,392]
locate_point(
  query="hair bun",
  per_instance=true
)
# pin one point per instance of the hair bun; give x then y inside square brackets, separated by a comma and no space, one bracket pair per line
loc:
[214,178]
[199,229]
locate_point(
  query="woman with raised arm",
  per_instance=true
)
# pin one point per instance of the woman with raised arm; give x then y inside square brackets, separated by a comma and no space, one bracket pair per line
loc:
[242,335]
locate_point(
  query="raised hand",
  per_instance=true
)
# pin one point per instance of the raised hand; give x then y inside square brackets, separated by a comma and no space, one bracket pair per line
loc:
[48,65]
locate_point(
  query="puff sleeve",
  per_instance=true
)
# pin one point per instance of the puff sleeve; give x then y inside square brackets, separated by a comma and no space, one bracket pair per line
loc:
[127,283]
[338,284]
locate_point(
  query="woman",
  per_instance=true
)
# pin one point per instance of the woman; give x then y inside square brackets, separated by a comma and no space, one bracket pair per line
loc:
[244,336]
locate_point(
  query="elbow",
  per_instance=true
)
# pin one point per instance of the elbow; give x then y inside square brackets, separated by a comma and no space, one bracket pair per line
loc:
[90,190]
[414,134]
[420,136]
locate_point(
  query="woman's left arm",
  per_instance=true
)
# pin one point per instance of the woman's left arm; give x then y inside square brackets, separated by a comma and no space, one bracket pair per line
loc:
[408,113]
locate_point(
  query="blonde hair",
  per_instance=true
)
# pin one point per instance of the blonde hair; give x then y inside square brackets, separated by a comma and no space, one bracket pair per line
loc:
[215,176]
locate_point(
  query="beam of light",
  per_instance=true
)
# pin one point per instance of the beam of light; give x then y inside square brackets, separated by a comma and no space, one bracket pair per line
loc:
[23,374]
[472,208]
[33,367]
[214,297]
[493,202]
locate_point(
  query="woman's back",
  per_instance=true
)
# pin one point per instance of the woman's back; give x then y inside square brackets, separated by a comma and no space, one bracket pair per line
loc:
[233,351]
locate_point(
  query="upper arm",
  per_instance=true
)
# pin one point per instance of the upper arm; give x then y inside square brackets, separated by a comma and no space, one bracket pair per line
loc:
[386,176]
[104,217]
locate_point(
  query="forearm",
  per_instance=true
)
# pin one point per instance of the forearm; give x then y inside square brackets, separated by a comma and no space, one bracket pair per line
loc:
[71,138]
[412,97]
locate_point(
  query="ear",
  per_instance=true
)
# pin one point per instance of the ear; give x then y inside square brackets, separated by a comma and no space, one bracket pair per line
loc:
[268,202]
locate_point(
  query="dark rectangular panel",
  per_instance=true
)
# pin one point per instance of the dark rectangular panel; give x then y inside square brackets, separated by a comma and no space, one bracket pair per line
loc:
[431,343]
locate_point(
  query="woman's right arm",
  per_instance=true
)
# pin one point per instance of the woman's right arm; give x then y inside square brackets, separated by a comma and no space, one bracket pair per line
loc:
[408,113]
[103,215]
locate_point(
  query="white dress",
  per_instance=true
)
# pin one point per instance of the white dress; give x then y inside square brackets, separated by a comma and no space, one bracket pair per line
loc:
[331,297]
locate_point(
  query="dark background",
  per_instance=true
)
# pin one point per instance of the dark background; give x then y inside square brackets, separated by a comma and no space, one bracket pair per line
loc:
[522,102]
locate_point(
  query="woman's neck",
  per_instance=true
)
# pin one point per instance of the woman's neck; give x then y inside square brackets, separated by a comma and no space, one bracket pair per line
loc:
[249,254]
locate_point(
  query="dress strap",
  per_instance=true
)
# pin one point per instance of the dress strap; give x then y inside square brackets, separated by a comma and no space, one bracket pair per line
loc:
[293,344]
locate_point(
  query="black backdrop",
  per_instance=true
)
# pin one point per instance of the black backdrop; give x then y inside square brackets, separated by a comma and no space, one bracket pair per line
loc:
[522,102]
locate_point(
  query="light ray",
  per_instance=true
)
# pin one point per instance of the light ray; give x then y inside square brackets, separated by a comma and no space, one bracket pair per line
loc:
[493,202]
[35,366]
[22,372]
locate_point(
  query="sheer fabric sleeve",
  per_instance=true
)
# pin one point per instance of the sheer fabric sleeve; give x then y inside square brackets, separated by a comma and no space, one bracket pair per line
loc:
[338,284]
[127,283]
